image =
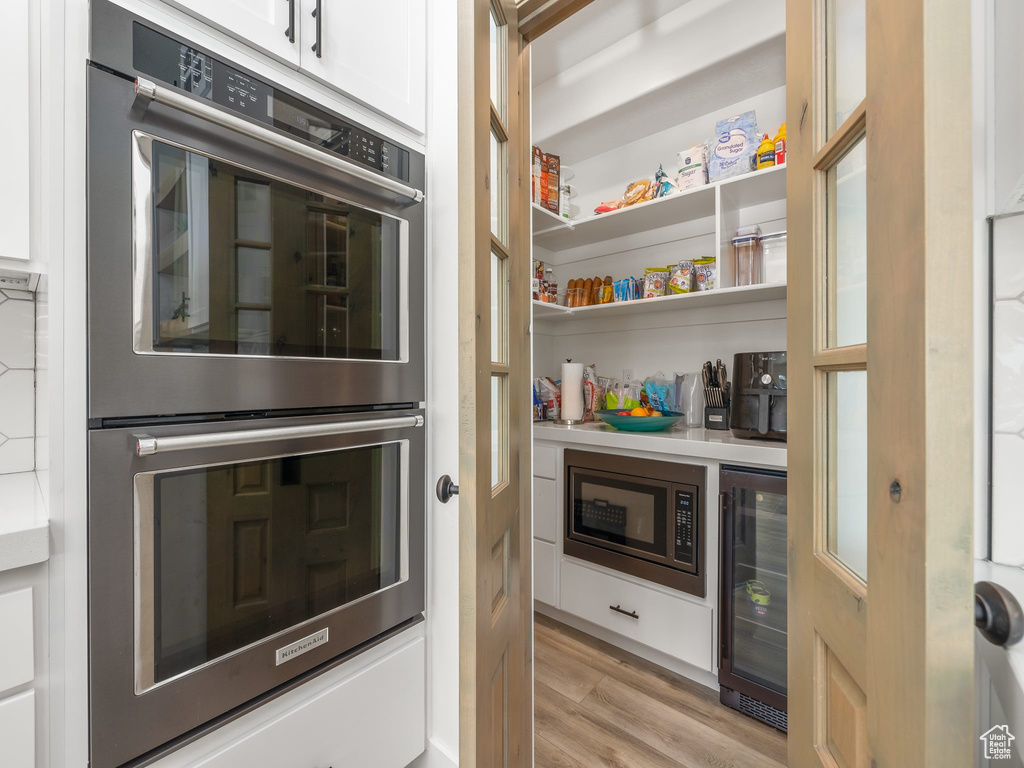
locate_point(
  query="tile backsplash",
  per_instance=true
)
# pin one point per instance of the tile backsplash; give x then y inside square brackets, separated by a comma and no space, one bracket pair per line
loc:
[1008,391]
[17,381]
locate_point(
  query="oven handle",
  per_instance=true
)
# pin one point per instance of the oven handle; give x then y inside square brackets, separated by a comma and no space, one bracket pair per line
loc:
[147,92]
[147,445]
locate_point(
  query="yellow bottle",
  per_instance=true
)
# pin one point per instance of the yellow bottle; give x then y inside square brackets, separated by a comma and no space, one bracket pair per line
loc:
[780,146]
[766,153]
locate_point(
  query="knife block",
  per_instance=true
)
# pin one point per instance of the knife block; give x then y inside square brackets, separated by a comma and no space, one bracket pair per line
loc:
[716,418]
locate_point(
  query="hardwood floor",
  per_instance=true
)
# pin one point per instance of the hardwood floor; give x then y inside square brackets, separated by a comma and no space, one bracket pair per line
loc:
[596,705]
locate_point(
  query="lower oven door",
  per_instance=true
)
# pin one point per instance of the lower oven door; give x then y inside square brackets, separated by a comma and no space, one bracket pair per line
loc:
[226,559]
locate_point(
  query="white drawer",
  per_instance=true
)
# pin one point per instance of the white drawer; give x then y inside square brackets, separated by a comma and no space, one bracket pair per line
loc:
[544,562]
[546,509]
[18,731]
[545,461]
[670,624]
[373,717]
[17,662]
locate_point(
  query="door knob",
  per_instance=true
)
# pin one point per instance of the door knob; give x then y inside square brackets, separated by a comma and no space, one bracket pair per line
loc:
[997,614]
[446,489]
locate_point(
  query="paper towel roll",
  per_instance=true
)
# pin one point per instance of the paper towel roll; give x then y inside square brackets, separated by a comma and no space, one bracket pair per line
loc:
[572,391]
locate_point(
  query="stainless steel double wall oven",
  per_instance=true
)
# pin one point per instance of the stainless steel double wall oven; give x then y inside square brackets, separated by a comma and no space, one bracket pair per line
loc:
[256,388]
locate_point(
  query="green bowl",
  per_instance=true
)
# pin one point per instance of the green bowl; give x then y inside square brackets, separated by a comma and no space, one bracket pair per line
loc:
[639,423]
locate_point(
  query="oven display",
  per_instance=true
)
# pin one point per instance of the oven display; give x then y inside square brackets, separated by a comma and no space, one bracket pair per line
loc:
[170,61]
[685,527]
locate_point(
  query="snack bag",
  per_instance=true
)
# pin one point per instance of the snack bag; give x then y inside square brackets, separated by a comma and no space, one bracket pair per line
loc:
[735,145]
[608,207]
[637,192]
[589,391]
[663,185]
[680,277]
[704,272]
[656,389]
[655,282]
[692,167]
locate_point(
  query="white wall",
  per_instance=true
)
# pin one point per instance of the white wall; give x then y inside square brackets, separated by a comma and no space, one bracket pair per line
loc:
[681,343]
[605,176]
[442,379]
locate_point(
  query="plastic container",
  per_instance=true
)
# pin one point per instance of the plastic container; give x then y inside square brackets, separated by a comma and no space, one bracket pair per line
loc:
[773,257]
[747,266]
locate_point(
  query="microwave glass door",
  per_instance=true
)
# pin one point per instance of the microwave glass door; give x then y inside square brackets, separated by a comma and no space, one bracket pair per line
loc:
[758,619]
[619,510]
[229,261]
[233,554]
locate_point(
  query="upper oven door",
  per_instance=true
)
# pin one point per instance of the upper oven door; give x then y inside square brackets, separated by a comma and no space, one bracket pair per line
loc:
[229,275]
[227,558]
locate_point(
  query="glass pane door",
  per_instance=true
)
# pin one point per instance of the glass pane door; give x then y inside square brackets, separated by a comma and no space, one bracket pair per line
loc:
[759,599]
[229,555]
[246,264]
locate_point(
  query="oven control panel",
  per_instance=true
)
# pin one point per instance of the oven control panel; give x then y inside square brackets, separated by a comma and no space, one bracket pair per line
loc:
[686,527]
[173,62]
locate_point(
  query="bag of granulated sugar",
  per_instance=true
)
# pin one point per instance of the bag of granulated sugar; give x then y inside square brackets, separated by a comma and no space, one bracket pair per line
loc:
[732,150]
[692,167]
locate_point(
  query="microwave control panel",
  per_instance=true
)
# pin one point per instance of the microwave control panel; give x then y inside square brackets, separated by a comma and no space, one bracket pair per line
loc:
[686,526]
[158,56]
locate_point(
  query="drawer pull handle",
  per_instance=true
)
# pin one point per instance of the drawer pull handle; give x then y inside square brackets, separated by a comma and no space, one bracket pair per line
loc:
[624,612]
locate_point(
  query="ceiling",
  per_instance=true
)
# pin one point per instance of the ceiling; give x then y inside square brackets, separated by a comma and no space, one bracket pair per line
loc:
[592,29]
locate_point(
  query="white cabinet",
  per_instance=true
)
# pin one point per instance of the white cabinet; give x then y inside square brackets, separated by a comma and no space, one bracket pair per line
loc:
[14,131]
[545,561]
[662,621]
[545,510]
[17,730]
[263,24]
[374,52]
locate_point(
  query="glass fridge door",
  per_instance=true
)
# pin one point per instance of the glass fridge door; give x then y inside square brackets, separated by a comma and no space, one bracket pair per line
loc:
[758,576]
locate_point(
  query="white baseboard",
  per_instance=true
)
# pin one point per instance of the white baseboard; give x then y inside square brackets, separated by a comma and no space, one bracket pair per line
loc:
[680,667]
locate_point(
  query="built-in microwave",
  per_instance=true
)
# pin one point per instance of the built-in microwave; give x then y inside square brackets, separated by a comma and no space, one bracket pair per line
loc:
[642,517]
[247,247]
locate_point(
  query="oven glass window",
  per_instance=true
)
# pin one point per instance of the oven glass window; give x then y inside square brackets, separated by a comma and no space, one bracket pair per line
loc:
[235,553]
[243,264]
[619,511]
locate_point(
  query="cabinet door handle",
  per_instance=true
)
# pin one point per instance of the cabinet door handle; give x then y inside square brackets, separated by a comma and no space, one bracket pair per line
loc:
[624,612]
[318,46]
[290,32]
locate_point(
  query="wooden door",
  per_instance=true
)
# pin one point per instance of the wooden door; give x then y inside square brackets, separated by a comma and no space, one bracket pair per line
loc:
[880,400]
[494,390]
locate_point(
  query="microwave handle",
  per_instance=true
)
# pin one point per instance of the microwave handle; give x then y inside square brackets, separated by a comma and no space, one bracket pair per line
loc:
[147,445]
[147,92]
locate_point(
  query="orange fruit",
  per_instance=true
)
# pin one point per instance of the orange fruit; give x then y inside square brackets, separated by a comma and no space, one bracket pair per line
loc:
[638,411]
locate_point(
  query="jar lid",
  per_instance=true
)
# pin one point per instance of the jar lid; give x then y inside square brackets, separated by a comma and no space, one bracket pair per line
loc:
[774,235]
[745,239]
[750,229]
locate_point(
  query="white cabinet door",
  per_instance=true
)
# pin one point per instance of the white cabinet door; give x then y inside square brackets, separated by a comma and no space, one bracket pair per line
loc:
[265,24]
[18,731]
[374,52]
[14,131]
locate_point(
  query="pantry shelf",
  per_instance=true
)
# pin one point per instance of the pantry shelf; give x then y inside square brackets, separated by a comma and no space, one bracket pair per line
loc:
[720,297]
[750,189]
[545,221]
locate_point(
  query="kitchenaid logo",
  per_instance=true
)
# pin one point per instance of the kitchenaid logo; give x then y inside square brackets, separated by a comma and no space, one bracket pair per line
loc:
[299,647]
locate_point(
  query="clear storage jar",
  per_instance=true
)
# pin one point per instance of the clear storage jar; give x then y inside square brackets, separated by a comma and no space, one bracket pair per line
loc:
[773,257]
[747,267]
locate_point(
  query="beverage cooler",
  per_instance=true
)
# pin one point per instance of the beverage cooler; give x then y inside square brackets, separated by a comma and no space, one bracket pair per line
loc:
[752,671]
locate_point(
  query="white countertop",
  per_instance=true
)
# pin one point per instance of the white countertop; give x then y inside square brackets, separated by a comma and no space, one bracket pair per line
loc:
[24,522]
[719,445]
